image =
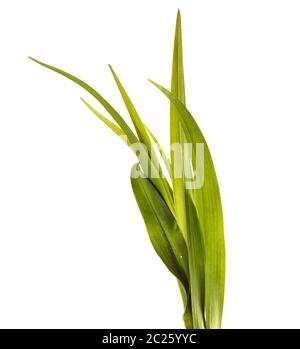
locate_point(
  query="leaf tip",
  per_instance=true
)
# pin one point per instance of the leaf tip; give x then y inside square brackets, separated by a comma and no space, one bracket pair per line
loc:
[178,25]
[154,83]
[111,69]
[32,59]
[35,60]
[85,102]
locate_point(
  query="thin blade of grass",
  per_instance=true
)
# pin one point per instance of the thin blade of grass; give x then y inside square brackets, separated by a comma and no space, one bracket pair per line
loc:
[160,182]
[115,115]
[176,130]
[116,129]
[137,122]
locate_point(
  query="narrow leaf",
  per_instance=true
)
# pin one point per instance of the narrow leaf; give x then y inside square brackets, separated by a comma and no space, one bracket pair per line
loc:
[137,122]
[176,131]
[116,129]
[160,182]
[115,115]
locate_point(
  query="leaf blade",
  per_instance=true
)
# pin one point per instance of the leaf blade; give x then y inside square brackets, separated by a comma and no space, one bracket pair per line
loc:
[115,115]
[137,122]
[162,229]
[209,208]
[160,182]
[116,129]
[176,131]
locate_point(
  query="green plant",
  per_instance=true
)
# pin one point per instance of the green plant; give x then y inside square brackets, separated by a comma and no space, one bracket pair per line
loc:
[184,219]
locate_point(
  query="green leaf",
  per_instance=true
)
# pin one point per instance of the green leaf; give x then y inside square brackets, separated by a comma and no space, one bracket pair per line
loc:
[209,208]
[137,122]
[162,229]
[115,115]
[177,137]
[196,250]
[160,182]
[117,130]
[176,130]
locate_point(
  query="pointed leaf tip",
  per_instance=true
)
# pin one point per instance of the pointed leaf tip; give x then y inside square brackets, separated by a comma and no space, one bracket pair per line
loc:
[33,59]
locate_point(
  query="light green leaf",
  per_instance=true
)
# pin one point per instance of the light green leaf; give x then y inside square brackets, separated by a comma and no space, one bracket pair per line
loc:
[137,122]
[116,129]
[161,183]
[115,115]
[177,138]
[176,130]
[208,204]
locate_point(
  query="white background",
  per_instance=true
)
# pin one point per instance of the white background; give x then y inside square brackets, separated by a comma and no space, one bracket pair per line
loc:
[74,252]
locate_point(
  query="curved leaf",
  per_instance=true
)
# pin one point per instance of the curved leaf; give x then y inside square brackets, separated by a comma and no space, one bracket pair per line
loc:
[115,115]
[209,208]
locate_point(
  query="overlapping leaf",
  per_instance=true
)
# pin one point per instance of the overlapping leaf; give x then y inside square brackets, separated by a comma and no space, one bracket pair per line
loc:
[185,225]
[162,228]
[209,209]
[115,115]
[177,139]
[159,181]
